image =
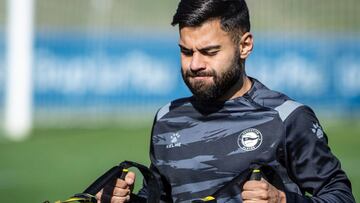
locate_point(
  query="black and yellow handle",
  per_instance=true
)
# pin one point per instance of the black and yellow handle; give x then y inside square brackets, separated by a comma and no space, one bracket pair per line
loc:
[255,175]
[124,173]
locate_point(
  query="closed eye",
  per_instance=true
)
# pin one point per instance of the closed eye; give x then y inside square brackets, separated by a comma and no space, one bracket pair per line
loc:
[209,53]
[185,51]
[210,50]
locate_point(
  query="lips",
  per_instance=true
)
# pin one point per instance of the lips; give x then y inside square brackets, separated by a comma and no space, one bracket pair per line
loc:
[201,77]
[198,75]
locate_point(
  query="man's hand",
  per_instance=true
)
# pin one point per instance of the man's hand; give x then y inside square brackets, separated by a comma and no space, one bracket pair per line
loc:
[119,192]
[261,192]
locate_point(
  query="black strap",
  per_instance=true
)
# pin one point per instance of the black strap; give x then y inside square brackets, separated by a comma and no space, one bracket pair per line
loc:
[239,181]
[118,172]
[153,186]
[101,182]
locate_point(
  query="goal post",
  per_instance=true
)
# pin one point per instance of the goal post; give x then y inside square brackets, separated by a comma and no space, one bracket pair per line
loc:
[19,61]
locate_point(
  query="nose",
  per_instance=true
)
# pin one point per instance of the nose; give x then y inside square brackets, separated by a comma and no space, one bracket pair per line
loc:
[197,62]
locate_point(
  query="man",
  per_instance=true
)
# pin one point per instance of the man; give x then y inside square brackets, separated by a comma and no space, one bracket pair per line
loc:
[202,142]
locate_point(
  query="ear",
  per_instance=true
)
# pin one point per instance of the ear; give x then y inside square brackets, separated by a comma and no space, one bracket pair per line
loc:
[246,45]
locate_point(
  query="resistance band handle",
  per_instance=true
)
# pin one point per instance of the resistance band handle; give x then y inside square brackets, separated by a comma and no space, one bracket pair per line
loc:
[255,175]
[112,174]
[106,178]
[153,187]
[124,173]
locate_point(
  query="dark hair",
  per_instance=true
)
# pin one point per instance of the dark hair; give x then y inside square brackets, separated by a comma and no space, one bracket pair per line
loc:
[233,14]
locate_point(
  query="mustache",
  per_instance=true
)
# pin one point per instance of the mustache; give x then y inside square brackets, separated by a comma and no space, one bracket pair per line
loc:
[190,73]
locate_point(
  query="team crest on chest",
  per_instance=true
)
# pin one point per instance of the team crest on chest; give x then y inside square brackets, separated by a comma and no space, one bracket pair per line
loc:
[250,139]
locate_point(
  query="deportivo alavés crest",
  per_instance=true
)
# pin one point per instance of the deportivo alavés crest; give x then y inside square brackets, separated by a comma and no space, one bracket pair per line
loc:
[250,139]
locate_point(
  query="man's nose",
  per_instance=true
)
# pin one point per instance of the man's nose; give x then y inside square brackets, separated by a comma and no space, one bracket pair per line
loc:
[197,62]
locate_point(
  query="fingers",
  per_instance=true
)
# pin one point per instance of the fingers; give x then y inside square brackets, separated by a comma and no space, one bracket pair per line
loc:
[256,185]
[120,184]
[119,196]
[260,191]
[130,178]
[113,199]
[257,194]
[255,201]
[98,195]
[120,199]
[121,192]
[117,192]
[254,190]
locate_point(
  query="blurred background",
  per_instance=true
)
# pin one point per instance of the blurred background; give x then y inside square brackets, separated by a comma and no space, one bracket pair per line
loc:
[101,69]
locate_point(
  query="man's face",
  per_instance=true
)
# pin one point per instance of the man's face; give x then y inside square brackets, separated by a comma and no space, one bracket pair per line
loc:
[210,60]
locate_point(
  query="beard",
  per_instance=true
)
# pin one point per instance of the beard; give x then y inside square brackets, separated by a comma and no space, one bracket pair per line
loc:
[222,82]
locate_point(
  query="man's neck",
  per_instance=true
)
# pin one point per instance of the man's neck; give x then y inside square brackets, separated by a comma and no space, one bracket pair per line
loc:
[238,90]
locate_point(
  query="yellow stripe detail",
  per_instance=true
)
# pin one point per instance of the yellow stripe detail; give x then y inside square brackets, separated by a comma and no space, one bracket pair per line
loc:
[73,199]
[208,198]
[125,170]
[256,171]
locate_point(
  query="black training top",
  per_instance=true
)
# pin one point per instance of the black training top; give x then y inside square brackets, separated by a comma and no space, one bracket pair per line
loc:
[197,148]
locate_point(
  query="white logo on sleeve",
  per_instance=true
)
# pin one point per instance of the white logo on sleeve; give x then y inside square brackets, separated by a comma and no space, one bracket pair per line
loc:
[250,139]
[317,130]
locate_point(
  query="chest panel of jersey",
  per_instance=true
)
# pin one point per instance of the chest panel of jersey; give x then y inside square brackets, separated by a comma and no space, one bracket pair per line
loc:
[198,153]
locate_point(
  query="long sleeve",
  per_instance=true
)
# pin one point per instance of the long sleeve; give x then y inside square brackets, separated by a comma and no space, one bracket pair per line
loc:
[310,162]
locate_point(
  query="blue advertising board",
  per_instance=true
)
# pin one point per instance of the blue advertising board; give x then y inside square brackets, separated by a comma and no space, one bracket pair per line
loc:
[73,70]
[84,71]
[318,71]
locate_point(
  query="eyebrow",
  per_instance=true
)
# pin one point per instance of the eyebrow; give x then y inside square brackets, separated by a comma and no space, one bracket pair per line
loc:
[209,48]
[205,49]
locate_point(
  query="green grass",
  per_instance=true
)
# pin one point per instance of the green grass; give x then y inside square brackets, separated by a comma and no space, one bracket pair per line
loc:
[54,164]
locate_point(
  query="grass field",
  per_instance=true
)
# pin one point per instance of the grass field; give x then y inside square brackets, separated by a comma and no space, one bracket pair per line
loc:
[54,164]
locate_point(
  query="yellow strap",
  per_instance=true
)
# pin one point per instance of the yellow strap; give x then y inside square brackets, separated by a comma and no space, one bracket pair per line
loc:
[208,198]
[73,199]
